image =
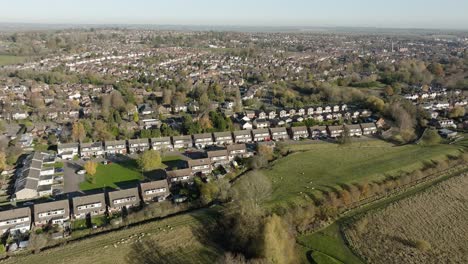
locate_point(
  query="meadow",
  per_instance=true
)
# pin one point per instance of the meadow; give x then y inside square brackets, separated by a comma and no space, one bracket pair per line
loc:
[313,168]
[429,227]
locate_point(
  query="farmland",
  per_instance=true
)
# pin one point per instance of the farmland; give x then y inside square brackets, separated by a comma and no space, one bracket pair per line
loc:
[315,167]
[172,238]
[429,227]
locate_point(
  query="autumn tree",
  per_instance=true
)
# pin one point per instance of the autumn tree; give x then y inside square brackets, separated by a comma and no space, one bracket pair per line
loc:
[265,151]
[278,242]
[2,161]
[78,132]
[91,167]
[149,160]
[457,111]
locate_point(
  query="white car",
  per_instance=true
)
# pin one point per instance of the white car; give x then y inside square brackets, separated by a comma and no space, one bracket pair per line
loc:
[81,172]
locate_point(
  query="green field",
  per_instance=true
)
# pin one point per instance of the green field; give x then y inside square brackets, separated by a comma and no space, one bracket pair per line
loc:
[8,59]
[328,247]
[315,167]
[112,174]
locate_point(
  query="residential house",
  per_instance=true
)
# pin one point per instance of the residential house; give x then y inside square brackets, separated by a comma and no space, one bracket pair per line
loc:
[119,199]
[310,111]
[162,143]
[218,157]
[354,130]
[182,142]
[336,108]
[445,123]
[150,123]
[180,176]
[283,113]
[34,179]
[292,112]
[298,133]
[318,131]
[319,110]
[327,109]
[271,114]
[154,191]
[261,135]
[55,212]
[91,149]
[242,136]
[301,112]
[261,115]
[279,133]
[200,166]
[203,140]
[68,151]
[237,151]
[335,131]
[261,123]
[246,125]
[115,147]
[15,220]
[368,129]
[88,205]
[138,145]
[223,138]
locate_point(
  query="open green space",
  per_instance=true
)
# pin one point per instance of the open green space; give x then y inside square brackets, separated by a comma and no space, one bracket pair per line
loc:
[115,175]
[9,59]
[112,175]
[328,246]
[325,166]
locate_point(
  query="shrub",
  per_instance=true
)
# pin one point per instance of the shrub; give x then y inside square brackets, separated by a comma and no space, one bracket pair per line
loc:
[422,245]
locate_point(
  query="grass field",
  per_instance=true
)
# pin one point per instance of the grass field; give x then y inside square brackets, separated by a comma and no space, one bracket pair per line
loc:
[328,247]
[300,175]
[8,59]
[174,237]
[112,174]
[436,216]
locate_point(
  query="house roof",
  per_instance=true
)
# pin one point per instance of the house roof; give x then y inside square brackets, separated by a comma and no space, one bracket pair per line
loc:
[222,134]
[138,141]
[300,128]
[67,145]
[367,125]
[113,195]
[278,129]
[236,147]
[88,199]
[49,206]
[241,132]
[217,153]
[15,213]
[198,162]
[153,185]
[200,136]
[161,139]
[179,173]
[260,131]
[115,142]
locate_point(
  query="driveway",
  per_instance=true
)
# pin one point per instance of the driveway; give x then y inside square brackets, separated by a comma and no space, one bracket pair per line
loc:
[71,179]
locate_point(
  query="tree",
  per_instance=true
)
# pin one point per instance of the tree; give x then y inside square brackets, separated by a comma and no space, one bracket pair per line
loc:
[149,160]
[457,111]
[78,132]
[431,137]
[136,118]
[375,103]
[265,151]
[91,167]
[278,242]
[2,161]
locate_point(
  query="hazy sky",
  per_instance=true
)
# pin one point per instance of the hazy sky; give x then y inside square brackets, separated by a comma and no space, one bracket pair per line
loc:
[373,13]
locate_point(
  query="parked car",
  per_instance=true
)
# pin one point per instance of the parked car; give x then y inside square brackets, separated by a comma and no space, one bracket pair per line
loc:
[58,170]
[81,172]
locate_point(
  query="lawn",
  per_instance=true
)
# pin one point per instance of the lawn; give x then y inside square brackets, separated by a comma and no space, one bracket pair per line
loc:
[9,59]
[113,175]
[328,247]
[300,175]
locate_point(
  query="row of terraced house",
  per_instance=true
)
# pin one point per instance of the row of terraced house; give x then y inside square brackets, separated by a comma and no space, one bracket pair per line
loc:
[68,151]
[80,207]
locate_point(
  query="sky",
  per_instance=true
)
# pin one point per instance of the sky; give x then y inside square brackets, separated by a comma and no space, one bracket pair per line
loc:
[444,14]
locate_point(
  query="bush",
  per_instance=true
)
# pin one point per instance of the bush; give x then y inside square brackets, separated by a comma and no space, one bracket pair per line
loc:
[422,245]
